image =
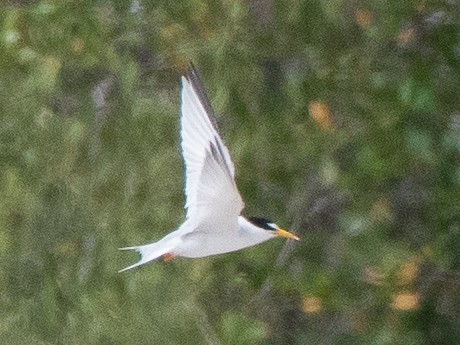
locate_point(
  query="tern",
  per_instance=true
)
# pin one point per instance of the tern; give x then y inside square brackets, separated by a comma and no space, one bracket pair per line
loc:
[214,224]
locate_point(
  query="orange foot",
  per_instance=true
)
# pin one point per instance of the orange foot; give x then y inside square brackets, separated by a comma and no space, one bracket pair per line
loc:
[168,257]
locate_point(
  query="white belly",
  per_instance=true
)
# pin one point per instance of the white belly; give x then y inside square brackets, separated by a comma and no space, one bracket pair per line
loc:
[196,245]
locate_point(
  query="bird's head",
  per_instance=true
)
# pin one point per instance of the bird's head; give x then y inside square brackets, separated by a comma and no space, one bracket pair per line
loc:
[267,225]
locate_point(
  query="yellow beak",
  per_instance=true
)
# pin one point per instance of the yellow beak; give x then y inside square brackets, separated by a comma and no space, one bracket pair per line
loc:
[287,234]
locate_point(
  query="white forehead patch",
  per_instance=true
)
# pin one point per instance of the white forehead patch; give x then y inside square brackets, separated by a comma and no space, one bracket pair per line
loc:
[273,225]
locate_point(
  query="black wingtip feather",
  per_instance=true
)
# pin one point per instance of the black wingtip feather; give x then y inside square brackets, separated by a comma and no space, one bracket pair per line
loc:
[194,79]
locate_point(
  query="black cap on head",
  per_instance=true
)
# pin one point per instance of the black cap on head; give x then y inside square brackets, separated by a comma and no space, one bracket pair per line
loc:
[262,223]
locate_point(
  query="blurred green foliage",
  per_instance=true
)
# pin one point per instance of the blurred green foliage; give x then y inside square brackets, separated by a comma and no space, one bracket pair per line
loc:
[343,119]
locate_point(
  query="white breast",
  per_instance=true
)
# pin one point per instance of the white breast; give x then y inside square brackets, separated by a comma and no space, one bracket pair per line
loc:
[205,242]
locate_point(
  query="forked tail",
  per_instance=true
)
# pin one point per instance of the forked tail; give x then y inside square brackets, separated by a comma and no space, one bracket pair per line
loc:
[149,252]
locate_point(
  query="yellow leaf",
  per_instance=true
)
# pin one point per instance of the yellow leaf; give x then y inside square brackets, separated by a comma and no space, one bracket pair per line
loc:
[408,272]
[321,114]
[405,301]
[363,18]
[406,36]
[311,305]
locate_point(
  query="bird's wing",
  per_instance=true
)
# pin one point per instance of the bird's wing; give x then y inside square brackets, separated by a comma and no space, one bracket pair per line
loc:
[209,170]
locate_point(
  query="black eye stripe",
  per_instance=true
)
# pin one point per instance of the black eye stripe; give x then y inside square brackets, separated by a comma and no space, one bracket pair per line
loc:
[261,223]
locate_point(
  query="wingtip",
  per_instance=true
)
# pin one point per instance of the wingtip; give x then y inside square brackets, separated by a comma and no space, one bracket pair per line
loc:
[132,266]
[191,68]
[127,248]
[126,269]
[189,71]
[194,81]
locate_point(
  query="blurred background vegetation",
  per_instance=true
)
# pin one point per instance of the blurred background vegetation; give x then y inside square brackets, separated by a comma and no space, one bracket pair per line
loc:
[342,117]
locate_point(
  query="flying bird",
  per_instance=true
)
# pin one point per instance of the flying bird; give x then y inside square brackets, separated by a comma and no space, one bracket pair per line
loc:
[214,224]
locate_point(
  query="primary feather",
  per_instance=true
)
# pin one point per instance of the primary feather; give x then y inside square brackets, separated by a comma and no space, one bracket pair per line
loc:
[199,136]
